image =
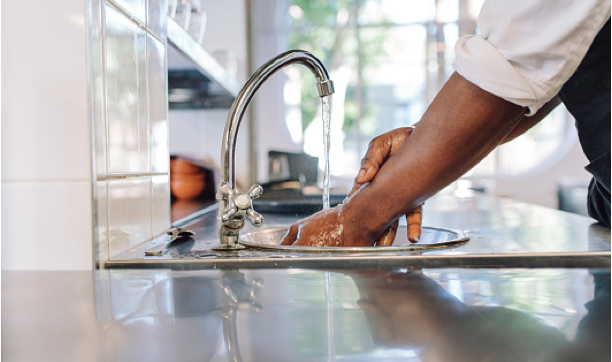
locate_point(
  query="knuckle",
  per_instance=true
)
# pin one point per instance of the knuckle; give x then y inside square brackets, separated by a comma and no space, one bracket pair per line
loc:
[375,143]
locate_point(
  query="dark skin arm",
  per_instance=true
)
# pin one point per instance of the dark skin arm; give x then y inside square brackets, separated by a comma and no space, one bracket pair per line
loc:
[526,123]
[462,125]
[379,151]
[385,145]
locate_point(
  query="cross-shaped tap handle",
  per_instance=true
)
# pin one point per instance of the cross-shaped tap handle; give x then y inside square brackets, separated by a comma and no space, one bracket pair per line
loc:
[240,205]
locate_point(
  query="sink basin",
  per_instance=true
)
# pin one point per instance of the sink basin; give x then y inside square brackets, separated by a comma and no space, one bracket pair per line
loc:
[292,203]
[431,238]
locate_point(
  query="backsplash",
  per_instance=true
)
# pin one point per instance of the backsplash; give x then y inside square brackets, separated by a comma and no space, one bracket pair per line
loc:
[133,193]
[85,130]
[46,143]
[85,161]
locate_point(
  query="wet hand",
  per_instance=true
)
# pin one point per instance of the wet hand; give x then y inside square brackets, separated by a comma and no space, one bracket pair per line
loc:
[325,228]
[379,150]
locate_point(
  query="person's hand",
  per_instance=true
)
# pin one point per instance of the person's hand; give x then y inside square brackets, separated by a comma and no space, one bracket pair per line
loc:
[379,150]
[325,228]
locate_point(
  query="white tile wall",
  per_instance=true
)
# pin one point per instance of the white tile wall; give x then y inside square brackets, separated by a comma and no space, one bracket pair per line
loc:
[136,8]
[160,214]
[97,97]
[144,126]
[46,157]
[44,100]
[101,229]
[129,213]
[156,17]
[57,212]
[46,225]
[122,105]
[157,75]
[137,126]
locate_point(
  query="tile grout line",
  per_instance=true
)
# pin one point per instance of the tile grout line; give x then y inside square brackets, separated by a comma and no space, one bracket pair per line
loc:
[46,181]
[126,13]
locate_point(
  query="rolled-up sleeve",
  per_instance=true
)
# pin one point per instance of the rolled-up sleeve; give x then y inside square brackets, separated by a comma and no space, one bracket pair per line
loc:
[528,49]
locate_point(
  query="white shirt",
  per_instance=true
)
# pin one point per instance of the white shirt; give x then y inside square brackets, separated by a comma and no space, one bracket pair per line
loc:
[528,49]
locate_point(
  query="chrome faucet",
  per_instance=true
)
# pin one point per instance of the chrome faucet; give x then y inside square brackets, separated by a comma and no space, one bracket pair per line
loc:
[235,206]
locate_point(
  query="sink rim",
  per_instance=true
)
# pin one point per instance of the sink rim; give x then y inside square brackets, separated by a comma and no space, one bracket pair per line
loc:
[460,238]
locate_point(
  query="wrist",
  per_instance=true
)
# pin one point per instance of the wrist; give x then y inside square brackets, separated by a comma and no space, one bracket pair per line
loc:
[361,226]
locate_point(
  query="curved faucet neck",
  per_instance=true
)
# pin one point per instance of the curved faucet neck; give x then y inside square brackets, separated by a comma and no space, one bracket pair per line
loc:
[324,88]
[236,207]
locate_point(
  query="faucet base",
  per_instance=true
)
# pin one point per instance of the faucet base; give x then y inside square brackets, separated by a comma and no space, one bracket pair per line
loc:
[222,247]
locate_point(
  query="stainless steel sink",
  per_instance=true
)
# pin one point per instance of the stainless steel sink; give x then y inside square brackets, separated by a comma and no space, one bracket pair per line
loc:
[431,238]
[503,233]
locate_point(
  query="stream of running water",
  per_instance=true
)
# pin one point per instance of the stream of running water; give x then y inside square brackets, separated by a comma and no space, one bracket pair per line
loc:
[326,106]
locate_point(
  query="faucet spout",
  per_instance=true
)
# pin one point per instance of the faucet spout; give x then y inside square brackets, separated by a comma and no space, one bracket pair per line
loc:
[235,207]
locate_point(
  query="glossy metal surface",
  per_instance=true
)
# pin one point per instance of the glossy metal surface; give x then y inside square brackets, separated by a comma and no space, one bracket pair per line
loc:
[173,235]
[231,214]
[431,238]
[503,233]
[459,315]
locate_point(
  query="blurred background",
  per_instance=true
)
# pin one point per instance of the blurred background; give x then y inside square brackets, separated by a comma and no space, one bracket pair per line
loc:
[388,59]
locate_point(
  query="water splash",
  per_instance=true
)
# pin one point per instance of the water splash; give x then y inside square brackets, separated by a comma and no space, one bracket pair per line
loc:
[326,115]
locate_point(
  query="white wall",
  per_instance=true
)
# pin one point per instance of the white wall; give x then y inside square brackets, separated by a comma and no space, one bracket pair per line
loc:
[85,169]
[46,157]
[131,149]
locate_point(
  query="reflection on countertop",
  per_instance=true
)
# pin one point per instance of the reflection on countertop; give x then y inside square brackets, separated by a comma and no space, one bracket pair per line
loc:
[307,315]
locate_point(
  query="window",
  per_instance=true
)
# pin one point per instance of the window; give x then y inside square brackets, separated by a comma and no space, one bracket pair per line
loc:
[388,59]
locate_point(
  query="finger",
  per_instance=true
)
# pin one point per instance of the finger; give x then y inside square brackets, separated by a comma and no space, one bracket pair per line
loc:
[414,220]
[379,149]
[356,188]
[290,235]
[389,235]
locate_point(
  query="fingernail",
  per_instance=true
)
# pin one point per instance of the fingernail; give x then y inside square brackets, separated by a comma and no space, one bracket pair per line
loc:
[361,173]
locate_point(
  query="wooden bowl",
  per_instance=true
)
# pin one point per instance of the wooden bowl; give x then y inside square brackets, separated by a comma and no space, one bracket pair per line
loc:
[187,186]
[181,165]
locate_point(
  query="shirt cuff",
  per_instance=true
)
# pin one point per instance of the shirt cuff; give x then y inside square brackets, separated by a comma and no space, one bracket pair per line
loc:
[481,63]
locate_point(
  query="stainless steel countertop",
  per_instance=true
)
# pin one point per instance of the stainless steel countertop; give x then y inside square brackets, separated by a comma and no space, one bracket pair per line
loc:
[503,233]
[307,315]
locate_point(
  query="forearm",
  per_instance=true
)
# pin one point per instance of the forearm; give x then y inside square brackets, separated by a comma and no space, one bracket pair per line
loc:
[461,126]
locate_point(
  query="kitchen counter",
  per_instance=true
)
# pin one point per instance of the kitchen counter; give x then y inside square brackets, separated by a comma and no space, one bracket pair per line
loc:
[307,315]
[503,233]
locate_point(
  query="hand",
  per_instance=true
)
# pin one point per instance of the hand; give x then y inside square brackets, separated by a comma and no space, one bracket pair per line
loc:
[379,150]
[325,228]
